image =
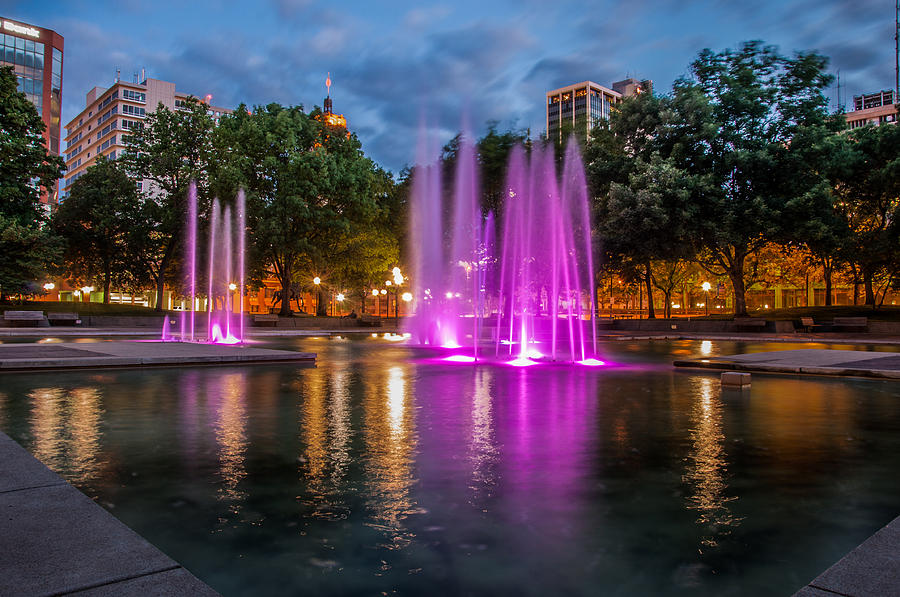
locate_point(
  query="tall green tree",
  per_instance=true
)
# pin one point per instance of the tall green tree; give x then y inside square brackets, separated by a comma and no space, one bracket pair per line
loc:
[753,102]
[867,193]
[26,167]
[95,220]
[170,150]
[308,184]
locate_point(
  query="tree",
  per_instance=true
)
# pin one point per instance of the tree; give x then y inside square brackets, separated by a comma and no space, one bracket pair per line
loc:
[308,184]
[96,219]
[493,154]
[26,247]
[25,165]
[867,192]
[171,149]
[26,252]
[753,103]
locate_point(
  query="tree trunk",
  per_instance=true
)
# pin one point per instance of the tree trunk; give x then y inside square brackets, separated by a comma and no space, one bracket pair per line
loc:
[827,270]
[285,280]
[321,308]
[867,283]
[161,279]
[107,282]
[651,313]
[667,308]
[736,275]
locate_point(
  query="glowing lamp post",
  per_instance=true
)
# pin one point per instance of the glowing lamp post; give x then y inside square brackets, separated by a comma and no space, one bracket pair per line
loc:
[706,286]
[317,280]
[340,299]
[49,286]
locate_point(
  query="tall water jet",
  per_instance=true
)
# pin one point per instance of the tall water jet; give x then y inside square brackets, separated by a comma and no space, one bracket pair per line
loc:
[537,290]
[225,270]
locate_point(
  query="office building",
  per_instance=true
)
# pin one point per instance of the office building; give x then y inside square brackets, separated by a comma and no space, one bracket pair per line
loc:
[580,107]
[36,55]
[873,108]
[111,114]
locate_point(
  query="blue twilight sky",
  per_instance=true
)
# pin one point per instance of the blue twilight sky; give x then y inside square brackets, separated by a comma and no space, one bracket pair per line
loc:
[390,60]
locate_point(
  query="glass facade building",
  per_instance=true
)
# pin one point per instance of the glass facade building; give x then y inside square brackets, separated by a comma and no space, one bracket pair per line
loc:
[580,107]
[36,56]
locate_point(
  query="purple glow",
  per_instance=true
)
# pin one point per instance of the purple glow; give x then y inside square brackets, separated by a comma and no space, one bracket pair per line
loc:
[537,287]
[521,362]
[591,363]
[225,268]
[460,358]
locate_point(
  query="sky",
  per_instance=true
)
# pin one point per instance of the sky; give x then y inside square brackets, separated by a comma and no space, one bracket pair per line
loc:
[395,65]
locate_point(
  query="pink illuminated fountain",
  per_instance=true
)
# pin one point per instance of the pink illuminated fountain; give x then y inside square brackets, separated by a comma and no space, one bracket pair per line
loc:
[224,269]
[530,301]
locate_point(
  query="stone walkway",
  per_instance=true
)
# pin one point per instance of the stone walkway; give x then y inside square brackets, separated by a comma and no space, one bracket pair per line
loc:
[54,540]
[872,569]
[845,363]
[63,355]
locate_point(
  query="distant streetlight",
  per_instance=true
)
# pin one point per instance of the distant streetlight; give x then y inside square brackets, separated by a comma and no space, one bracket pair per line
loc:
[317,280]
[232,287]
[49,286]
[387,282]
[706,286]
[407,296]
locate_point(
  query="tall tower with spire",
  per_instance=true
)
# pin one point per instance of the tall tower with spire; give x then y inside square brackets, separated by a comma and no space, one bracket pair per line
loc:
[331,119]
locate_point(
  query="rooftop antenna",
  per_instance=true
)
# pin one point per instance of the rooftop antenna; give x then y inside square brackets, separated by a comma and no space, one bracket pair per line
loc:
[118,73]
[839,107]
[327,102]
[134,77]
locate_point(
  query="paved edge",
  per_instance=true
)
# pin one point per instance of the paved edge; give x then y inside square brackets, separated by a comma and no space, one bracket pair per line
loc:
[761,368]
[871,569]
[56,540]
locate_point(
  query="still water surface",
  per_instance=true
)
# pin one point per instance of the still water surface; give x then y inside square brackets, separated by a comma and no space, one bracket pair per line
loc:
[382,471]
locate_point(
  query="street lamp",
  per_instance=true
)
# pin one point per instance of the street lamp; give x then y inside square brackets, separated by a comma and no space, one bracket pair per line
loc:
[706,286]
[340,300]
[49,286]
[317,280]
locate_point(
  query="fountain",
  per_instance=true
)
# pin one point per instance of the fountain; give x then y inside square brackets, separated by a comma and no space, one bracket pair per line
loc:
[225,273]
[534,297]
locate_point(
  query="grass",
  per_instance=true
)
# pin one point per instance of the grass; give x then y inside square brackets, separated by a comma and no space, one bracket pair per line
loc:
[81,308]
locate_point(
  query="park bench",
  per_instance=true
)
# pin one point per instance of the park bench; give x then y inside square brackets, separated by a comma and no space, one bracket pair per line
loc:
[265,319]
[63,318]
[371,321]
[749,323]
[24,318]
[850,324]
[809,325]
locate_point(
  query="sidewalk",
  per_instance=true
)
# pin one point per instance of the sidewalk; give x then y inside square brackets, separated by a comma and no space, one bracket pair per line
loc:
[54,540]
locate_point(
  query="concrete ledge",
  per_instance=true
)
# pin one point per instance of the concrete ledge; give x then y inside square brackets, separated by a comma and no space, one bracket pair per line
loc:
[840,363]
[29,357]
[872,569]
[57,541]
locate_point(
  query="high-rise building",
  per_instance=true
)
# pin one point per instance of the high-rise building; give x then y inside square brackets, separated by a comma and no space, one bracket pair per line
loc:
[873,108]
[36,55]
[579,108]
[111,114]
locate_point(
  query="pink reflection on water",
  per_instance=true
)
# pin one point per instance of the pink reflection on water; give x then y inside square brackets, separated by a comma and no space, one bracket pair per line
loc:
[460,358]
[591,363]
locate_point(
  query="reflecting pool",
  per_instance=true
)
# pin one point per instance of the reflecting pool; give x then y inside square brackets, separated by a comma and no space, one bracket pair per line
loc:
[383,471]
